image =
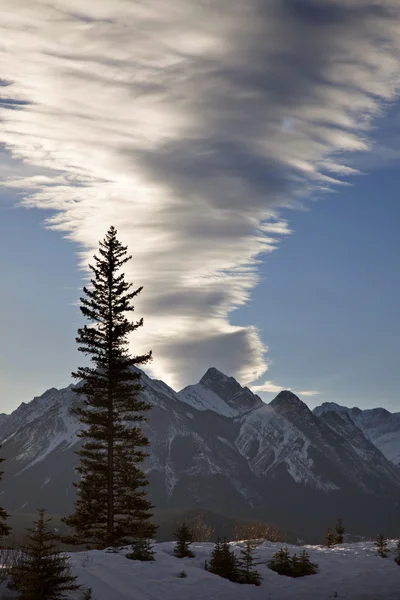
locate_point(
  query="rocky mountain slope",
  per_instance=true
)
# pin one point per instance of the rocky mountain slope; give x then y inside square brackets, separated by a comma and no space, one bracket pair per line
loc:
[216,445]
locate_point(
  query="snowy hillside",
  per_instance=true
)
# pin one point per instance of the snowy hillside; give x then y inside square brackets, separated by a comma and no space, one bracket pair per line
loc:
[349,571]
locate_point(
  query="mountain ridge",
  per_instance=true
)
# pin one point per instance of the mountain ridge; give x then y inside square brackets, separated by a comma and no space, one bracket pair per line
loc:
[212,441]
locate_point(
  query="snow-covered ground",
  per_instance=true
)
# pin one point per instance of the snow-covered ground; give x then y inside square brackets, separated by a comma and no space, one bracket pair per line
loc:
[352,571]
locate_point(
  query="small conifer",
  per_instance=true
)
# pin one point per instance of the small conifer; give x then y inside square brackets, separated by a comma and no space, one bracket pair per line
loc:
[381,545]
[215,564]
[229,562]
[397,558]
[339,531]
[330,538]
[183,541]
[281,562]
[295,565]
[305,566]
[43,573]
[142,549]
[245,565]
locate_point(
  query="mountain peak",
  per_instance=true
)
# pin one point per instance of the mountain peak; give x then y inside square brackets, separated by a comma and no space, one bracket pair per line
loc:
[287,399]
[213,375]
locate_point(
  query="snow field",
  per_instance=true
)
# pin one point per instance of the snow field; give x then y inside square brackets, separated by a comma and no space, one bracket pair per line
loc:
[348,571]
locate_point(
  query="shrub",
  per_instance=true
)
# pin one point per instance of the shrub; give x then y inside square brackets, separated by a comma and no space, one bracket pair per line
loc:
[256,530]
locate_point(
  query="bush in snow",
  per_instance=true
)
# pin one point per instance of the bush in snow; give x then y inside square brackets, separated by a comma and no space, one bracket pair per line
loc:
[256,530]
[184,539]
[382,545]
[142,549]
[182,574]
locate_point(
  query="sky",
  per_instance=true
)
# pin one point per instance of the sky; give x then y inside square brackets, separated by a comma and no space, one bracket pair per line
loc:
[247,153]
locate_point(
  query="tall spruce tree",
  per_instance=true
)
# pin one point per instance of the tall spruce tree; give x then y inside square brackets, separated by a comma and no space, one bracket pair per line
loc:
[112,506]
[5,529]
[43,573]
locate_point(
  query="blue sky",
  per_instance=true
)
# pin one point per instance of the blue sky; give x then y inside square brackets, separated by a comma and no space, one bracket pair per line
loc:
[217,142]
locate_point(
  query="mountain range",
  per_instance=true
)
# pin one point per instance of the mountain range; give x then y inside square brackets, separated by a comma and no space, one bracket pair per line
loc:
[216,445]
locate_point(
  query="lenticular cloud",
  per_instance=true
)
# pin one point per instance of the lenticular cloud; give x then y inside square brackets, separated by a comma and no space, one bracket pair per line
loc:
[189,125]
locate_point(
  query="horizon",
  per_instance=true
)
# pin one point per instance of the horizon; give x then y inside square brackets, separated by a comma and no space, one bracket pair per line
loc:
[274,396]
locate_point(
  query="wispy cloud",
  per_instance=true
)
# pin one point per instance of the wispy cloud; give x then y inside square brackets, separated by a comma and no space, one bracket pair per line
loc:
[189,125]
[273,388]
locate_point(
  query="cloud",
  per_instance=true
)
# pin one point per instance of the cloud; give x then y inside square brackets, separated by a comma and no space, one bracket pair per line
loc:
[272,388]
[189,126]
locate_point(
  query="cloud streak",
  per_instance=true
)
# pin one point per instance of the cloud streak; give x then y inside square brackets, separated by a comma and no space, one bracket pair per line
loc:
[189,125]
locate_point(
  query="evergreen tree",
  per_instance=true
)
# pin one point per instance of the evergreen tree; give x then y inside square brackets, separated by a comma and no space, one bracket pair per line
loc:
[215,563]
[381,545]
[142,549]
[397,558]
[229,562]
[87,595]
[339,531]
[330,538]
[294,564]
[112,506]
[183,541]
[44,573]
[305,566]
[281,562]
[4,528]
[247,573]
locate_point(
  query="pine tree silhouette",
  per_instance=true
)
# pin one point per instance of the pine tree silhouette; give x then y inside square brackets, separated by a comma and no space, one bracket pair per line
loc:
[112,505]
[44,573]
[5,529]
[339,531]
[142,549]
[330,538]
[382,545]
[247,573]
[183,540]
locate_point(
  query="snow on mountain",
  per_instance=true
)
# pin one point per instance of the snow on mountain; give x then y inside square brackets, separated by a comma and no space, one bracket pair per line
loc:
[212,441]
[379,425]
[221,394]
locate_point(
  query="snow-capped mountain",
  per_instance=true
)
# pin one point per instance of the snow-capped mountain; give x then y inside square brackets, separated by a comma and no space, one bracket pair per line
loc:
[378,425]
[216,445]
